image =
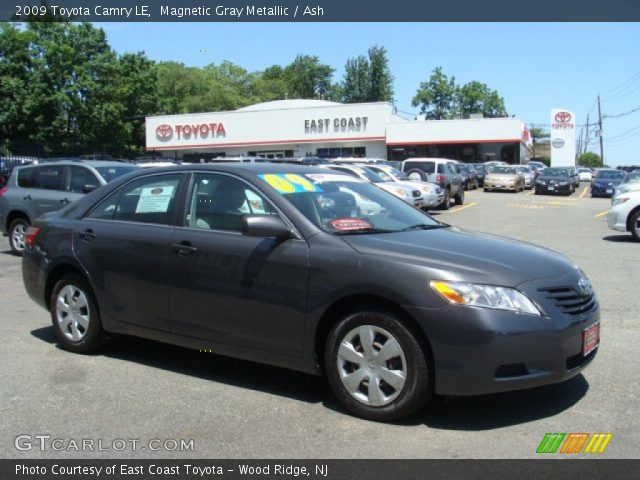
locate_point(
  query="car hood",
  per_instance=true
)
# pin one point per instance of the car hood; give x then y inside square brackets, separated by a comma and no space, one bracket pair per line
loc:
[607,182]
[454,254]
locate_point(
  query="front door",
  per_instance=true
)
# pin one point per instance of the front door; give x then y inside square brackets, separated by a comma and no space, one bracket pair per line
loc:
[123,243]
[231,288]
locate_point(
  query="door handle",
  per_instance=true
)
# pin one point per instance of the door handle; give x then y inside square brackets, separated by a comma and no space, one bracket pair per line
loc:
[65,201]
[183,249]
[27,197]
[87,235]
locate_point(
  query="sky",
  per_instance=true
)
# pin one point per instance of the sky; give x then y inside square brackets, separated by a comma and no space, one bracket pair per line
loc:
[534,66]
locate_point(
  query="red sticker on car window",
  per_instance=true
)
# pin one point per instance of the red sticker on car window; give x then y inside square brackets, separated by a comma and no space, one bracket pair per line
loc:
[346,224]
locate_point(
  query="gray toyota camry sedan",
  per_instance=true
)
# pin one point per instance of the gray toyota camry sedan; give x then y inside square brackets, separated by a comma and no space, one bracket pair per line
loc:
[313,270]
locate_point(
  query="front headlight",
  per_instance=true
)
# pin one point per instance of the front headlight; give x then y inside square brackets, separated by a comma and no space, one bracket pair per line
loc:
[619,200]
[539,182]
[401,192]
[487,296]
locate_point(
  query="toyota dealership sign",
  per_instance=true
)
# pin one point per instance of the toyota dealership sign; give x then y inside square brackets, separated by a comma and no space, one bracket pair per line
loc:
[563,138]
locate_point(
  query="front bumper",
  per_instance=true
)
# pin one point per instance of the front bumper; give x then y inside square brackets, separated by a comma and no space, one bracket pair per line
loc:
[617,219]
[479,351]
[553,188]
[602,191]
[492,185]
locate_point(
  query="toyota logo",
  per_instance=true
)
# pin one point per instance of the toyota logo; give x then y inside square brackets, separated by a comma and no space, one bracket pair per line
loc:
[557,143]
[584,285]
[164,131]
[563,117]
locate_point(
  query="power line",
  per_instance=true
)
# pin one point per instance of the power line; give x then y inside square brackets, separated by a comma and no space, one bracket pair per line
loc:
[622,114]
[621,95]
[624,84]
[623,134]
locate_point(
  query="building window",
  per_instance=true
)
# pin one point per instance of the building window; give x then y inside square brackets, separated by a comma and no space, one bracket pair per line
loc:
[341,152]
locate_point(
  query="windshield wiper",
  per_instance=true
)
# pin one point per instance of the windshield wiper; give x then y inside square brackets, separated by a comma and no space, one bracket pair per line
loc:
[363,231]
[424,226]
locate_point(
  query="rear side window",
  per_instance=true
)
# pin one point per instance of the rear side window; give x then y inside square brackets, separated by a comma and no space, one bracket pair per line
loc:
[427,167]
[50,177]
[80,178]
[147,200]
[27,177]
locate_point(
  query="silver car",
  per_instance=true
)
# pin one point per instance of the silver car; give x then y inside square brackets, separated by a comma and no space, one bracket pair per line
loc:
[433,194]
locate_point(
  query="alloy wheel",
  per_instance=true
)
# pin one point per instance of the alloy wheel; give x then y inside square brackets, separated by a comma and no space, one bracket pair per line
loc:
[372,365]
[72,313]
[17,237]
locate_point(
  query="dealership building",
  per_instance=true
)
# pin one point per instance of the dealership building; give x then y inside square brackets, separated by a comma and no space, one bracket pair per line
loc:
[295,128]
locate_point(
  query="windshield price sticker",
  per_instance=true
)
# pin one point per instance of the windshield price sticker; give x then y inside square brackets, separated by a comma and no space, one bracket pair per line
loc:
[289,183]
[348,224]
[154,200]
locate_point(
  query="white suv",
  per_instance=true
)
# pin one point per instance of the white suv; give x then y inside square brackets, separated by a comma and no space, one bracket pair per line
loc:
[624,215]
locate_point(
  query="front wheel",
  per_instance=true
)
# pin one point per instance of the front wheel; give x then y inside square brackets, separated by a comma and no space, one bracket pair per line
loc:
[635,226]
[75,316]
[376,367]
[17,233]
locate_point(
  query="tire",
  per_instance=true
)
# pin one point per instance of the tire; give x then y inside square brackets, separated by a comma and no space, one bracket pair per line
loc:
[423,175]
[536,192]
[384,404]
[17,230]
[446,204]
[634,224]
[460,196]
[74,335]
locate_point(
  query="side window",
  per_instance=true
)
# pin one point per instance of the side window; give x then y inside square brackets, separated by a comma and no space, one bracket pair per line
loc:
[441,168]
[219,202]
[452,167]
[147,200]
[50,177]
[81,177]
[27,177]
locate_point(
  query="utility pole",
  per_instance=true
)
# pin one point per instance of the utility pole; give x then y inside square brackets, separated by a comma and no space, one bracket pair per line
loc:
[586,136]
[600,132]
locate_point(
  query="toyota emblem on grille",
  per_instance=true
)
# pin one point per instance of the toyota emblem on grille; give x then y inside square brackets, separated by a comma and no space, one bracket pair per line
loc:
[585,287]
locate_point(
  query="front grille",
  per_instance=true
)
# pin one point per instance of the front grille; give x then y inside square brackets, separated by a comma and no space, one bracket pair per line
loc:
[416,193]
[570,301]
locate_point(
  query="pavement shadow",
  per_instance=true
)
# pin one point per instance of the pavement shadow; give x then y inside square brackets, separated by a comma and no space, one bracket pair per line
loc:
[483,412]
[209,366]
[619,238]
[487,412]
[8,252]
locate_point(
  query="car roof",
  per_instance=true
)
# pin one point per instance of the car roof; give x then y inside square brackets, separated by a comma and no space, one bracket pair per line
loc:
[430,159]
[241,167]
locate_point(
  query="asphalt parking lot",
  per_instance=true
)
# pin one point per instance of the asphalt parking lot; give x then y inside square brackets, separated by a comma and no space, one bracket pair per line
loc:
[137,389]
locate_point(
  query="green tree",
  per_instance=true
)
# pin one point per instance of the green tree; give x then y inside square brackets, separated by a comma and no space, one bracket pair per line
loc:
[270,84]
[437,96]
[306,77]
[356,86]
[590,159]
[380,78]
[476,98]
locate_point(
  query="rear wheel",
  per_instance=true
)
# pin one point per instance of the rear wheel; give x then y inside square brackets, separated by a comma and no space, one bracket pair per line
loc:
[75,316]
[17,232]
[376,367]
[460,196]
[635,225]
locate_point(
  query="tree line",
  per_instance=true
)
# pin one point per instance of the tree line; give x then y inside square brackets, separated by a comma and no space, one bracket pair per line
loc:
[63,87]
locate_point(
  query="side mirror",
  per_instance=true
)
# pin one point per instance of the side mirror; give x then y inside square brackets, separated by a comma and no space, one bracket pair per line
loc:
[265,226]
[89,188]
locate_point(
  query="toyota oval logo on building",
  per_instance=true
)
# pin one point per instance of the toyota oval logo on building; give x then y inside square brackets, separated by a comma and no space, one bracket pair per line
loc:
[164,132]
[563,117]
[557,143]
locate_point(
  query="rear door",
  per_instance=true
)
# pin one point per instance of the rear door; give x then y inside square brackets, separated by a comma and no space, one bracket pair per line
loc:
[49,193]
[123,243]
[231,288]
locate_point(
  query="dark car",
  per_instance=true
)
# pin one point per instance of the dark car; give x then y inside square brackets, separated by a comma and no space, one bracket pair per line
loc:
[481,171]
[469,176]
[605,181]
[279,264]
[34,190]
[554,181]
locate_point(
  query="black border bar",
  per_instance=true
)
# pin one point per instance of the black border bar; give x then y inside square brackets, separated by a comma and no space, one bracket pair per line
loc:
[557,469]
[332,11]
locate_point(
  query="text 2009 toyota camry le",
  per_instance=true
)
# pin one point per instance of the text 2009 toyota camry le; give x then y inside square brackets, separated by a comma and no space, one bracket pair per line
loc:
[312,270]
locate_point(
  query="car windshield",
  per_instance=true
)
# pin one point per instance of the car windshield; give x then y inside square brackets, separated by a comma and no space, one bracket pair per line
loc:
[397,174]
[632,178]
[111,173]
[344,205]
[555,172]
[609,175]
[503,170]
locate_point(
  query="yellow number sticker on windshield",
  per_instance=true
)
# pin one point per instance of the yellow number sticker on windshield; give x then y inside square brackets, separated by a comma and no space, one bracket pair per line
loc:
[279,183]
[298,180]
[289,183]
